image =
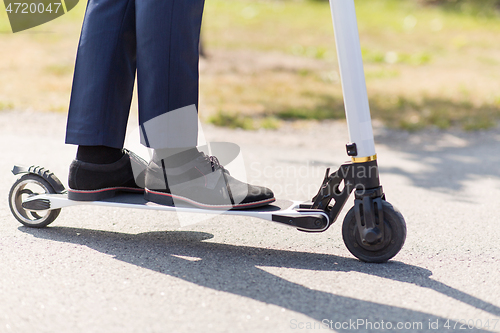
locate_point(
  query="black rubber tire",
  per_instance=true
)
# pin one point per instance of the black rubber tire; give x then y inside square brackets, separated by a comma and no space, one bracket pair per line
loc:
[26,217]
[394,236]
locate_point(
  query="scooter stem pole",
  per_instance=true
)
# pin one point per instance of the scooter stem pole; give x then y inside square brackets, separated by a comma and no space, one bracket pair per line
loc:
[353,79]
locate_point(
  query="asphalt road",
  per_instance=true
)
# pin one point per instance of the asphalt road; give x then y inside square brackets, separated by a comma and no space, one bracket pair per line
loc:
[122,270]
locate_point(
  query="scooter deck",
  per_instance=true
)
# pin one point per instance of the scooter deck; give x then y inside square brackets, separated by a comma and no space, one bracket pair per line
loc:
[137,201]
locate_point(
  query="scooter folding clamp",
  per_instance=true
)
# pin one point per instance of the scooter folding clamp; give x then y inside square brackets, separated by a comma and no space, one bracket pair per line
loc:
[354,176]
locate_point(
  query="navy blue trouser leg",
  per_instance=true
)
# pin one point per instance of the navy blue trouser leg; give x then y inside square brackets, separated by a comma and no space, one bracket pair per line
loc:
[167,55]
[158,38]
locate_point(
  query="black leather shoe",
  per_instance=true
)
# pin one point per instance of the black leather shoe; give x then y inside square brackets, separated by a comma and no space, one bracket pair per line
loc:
[201,182]
[91,182]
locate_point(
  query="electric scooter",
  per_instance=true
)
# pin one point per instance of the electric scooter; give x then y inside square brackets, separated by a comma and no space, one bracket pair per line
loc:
[373,230]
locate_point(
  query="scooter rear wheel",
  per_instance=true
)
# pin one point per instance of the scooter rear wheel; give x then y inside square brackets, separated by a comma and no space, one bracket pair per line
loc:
[390,245]
[24,187]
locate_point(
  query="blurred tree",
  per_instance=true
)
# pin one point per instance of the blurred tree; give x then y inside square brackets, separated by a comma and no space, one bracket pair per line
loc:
[473,7]
[454,2]
[484,7]
[482,3]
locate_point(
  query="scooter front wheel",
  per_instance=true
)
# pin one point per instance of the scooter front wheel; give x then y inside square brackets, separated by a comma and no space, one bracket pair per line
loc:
[392,242]
[26,186]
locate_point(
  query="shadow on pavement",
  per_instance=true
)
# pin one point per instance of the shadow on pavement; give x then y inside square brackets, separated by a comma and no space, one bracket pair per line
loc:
[448,159]
[235,269]
[445,161]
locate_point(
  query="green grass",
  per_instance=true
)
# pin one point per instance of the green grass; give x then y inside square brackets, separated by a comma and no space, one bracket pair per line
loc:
[399,113]
[400,40]
[6,106]
[431,111]
[225,119]
[304,27]
[425,65]
[231,120]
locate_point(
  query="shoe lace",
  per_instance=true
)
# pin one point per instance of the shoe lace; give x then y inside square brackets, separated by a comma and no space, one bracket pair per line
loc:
[214,162]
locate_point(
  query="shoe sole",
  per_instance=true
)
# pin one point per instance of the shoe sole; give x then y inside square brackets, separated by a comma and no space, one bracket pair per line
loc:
[167,199]
[100,194]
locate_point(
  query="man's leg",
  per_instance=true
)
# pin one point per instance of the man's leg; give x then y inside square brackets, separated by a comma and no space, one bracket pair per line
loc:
[104,75]
[168,35]
[167,68]
[100,102]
